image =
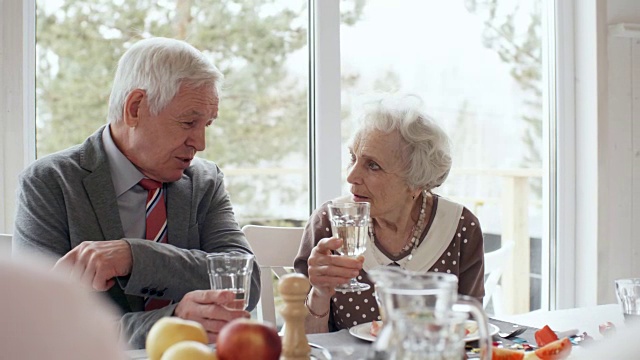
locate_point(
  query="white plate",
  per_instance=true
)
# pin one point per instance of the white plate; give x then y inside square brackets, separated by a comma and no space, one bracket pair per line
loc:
[361,331]
[474,335]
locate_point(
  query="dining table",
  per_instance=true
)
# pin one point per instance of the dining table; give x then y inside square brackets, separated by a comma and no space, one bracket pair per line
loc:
[566,322]
[344,345]
[583,319]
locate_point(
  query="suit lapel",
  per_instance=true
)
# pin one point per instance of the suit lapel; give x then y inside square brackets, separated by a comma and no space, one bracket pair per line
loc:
[99,187]
[179,195]
[104,203]
[101,193]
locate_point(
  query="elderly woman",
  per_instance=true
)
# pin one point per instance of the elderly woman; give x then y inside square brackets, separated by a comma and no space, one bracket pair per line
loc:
[398,156]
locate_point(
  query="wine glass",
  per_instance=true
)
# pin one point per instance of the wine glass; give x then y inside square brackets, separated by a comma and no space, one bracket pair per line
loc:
[350,222]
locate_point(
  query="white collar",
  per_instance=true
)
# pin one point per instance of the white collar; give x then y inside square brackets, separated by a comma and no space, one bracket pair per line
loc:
[437,240]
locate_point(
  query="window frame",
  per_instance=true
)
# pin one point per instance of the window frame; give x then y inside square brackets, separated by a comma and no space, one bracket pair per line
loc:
[17,100]
[325,136]
[563,237]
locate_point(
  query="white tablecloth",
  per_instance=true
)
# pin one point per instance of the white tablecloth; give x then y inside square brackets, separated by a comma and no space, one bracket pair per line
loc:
[341,345]
[582,319]
[344,346]
[586,319]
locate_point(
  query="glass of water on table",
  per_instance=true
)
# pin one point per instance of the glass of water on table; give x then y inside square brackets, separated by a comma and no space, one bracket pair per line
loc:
[628,292]
[231,271]
[350,222]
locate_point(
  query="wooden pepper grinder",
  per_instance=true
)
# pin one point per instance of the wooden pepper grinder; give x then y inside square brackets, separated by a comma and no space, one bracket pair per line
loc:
[293,289]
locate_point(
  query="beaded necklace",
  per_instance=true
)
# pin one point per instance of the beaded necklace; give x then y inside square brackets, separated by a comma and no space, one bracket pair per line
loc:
[417,231]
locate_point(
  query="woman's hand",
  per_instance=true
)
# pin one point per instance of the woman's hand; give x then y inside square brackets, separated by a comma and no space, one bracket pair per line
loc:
[326,271]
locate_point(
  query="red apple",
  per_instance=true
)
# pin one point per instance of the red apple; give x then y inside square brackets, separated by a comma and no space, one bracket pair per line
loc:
[243,339]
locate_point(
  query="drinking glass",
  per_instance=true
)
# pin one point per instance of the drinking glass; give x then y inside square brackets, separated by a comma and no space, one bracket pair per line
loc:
[231,271]
[350,222]
[628,291]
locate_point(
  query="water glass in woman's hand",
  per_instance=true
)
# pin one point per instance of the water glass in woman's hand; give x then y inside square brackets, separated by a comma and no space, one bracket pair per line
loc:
[350,222]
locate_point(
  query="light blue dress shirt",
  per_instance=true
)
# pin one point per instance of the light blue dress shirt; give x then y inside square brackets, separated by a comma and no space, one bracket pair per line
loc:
[131,197]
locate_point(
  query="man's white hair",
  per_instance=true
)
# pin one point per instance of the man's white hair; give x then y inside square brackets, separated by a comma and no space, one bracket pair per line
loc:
[160,66]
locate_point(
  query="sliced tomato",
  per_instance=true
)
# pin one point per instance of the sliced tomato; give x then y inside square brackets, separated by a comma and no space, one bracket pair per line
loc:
[557,350]
[375,327]
[506,354]
[545,336]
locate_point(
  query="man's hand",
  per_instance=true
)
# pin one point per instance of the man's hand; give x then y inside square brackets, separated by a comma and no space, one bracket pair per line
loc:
[97,263]
[211,308]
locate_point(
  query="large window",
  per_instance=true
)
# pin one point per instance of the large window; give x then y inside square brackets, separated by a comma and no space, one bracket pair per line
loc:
[477,63]
[260,139]
[478,66]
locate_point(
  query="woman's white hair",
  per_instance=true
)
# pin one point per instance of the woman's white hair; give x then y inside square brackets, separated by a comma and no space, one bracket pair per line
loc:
[160,66]
[426,154]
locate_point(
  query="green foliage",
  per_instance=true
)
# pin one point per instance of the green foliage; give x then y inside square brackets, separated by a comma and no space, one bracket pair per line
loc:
[263,109]
[84,40]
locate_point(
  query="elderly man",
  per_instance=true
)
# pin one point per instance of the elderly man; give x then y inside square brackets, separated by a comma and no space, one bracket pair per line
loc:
[131,211]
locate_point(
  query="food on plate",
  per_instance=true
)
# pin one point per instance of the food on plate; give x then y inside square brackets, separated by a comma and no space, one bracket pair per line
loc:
[530,356]
[545,336]
[506,354]
[244,339]
[375,327]
[171,330]
[556,350]
[470,327]
[189,350]
[559,349]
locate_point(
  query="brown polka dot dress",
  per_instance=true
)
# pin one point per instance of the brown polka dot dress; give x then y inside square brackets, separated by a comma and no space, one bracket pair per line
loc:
[464,257]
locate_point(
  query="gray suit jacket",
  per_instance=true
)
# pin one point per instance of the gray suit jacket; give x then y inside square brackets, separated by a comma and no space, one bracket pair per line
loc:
[68,197]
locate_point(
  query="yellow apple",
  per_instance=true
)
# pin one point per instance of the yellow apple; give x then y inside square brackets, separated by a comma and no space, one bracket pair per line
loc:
[170,330]
[189,350]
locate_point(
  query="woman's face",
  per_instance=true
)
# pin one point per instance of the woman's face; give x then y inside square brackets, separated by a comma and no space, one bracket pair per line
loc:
[376,174]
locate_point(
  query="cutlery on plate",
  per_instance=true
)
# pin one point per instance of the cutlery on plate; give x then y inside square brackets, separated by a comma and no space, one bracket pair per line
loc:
[512,334]
[567,333]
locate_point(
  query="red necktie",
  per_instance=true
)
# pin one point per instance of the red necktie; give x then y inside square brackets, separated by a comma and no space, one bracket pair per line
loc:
[156,225]
[156,211]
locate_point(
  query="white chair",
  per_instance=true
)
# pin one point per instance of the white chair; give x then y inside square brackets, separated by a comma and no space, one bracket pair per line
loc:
[5,245]
[275,249]
[494,264]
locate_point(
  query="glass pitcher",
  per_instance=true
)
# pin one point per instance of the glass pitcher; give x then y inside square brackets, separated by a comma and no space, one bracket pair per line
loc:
[421,313]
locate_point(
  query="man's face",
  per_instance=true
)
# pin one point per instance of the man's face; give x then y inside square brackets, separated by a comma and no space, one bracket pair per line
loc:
[162,146]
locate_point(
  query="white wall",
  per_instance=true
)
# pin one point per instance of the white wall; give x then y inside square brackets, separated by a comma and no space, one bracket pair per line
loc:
[619,150]
[607,151]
